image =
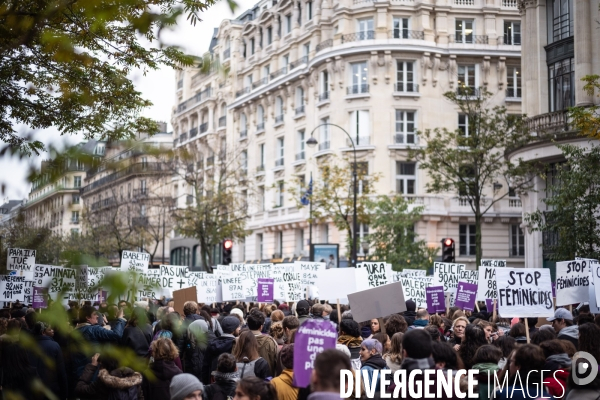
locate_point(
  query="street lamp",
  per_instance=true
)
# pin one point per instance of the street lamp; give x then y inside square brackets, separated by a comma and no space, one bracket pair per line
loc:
[312,142]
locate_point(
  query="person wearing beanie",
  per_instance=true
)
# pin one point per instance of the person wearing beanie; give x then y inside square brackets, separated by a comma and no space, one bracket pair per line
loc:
[303,311]
[186,387]
[284,383]
[223,344]
[236,312]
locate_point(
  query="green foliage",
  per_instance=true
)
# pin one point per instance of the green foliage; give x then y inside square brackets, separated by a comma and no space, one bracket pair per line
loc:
[570,224]
[470,166]
[586,119]
[392,218]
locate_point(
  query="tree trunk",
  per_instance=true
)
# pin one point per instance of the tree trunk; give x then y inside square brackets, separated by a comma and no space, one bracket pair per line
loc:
[478,218]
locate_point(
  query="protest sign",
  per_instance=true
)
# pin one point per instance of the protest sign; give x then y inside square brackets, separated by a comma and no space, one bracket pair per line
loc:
[524,292]
[181,296]
[493,263]
[81,274]
[469,275]
[134,261]
[486,286]
[336,283]
[436,302]
[309,271]
[95,275]
[249,274]
[292,289]
[414,288]
[447,275]
[194,277]
[465,295]
[595,273]
[56,278]
[12,288]
[40,297]
[20,260]
[173,277]
[372,274]
[28,292]
[27,274]
[233,288]
[378,302]
[265,291]
[411,272]
[572,282]
[489,305]
[311,339]
[593,303]
[209,289]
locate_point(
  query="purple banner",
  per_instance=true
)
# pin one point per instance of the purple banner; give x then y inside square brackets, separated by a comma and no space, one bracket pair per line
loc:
[465,295]
[553,289]
[102,296]
[313,337]
[489,304]
[436,302]
[266,290]
[40,297]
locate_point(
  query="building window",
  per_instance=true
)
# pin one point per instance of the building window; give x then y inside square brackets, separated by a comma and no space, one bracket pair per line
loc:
[299,242]
[244,162]
[512,32]
[513,88]
[306,49]
[251,46]
[405,177]
[309,11]
[249,81]
[181,256]
[517,241]
[280,152]
[401,28]
[279,243]
[300,155]
[562,76]
[269,35]
[261,154]
[279,195]
[261,198]
[363,238]
[324,85]
[285,60]
[260,118]
[259,245]
[288,23]
[76,198]
[560,20]
[143,186]
[266,71]
[464,31]
[278,109]
[243,124]
[405,127]
[324,233]
[77,181]
[74,231]
[467,76]
[467,240]
[359,127]
[324,134]
[405,76]
[360,76]
[75,217]
[365,29]
[463,124]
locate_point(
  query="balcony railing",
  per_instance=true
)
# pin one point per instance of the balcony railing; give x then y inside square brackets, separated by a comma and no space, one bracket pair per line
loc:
[514,203]
[406,34]
[199,97]
[243,134]
[469,39]
[226,54]
[183,137]
[222,121]
[279,119]
[467,91]
[203,127]
[193,132]
[279,162]
[300,156]
[107,202]
[324,96]
[358,89]
[260,82]
[324,44]
[298,62]
[514,93]
[260,127]
[300,110]
[74,221]
[242,92]
[510,3]
[549,123]
[405,138]
[353,37]
[140,192]
[324,145]
[407,87]
[359,141]
[278,73]
[138,168]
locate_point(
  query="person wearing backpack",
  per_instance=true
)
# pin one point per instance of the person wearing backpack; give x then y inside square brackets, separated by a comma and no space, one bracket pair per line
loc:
[249,362]
[225,379]
[267,346]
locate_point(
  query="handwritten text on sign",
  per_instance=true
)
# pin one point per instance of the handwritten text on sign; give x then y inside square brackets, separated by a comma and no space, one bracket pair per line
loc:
[20,260]
[12,287]
[135,261]
[486,287]
[572,282]
[524,292]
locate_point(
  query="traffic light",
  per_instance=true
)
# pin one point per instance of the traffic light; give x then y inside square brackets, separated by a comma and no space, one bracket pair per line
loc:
[448,250]
[227,246]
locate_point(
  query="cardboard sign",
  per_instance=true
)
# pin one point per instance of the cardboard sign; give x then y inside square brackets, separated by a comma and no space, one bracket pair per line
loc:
[135,261]
[12,288]
[493,263]
[233,288]
[40,297]
[572,282]
[486,286]
[465,295]
[20,260]
[181,296]
[265,291]
[372,274]
[524,292]
[436,301]
[312,338]
[414,288]
[336,283]
[378,302]
[469,275]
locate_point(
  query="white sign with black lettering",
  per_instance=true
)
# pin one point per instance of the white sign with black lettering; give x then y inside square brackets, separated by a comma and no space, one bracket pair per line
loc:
[370,275]
[134,261]
[572,282]
[493,263]
[412,272]
[95,275]
[149,285]
[208,287]
[174,277]
[249,273]
[20,260]
[447,275]
[233,288]
[414,288]
[486,286]
[54,278]
[524,292]
[469,275]
[12,288]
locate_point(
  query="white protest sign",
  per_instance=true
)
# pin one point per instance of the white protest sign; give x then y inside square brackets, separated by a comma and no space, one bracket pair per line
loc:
[493,263]
[20,260]
[572,282]
[134,261]
[469,275]
[27,274]
[412,272]
[595,273]
[414,288]
[336,283]
[149,285]
[370,275]
[280,286]
[208,288]
[28,292]
[82,272]
[524,292]
[12,288]
[293,288]
[233,288]
[486,286]
[447,275]
[54,278]
[309,273]
[95,275]
[249,273]
[174,277]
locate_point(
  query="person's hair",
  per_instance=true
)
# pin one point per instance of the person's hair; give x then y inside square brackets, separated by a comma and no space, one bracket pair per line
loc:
[381,338]
[138,316]
[395,353]
[328,308]
[417,343]
[246,346]
[290,322]
[207,317]
[256,388]
[255,320]
[506,344]
[584,319]
[371,344]
[443,352]
[287,356]
[327,367]
[277,315]
[3,325]
[487,354]
[530,360]
[170,323]
[517,330]
[433,331]
[164,349]
[190,307]
[347,314]
[552,347]
[112,311]
[350,327]
[276,330]
[13,326]
[589,339]
[460,318]
[421,314]
[86,312]
[484,324]
[318,309]
[458,314]
[436,320]
[474,339]
[30,319]
[226,363]
[543,335]
[396,323]
[451,312]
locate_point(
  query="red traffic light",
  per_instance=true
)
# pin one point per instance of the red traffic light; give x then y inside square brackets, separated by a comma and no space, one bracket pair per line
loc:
[228,243]
[448,242]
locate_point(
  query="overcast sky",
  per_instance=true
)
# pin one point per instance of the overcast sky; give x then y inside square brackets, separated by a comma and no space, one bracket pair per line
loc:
[157,86]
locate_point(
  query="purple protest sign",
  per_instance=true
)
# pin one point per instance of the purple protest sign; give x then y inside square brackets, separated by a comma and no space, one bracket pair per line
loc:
[489,304]
[465,295]
[553,289]
[313,337]
[102,295]
[266,289]
[436,302]
[40,296]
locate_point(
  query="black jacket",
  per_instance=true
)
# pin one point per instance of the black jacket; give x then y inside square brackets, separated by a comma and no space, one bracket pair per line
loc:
[410,317]
[225,385]
[54,378]
[158,389]
[218,346]
[138,339]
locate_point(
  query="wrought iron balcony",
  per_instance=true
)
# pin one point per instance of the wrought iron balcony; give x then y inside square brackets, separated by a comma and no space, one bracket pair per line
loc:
[358,89]
[242,92]
[222,121]
[298,62]
[353,37]
[324,44]
[260,82]
[324,96]
[203,127]
[300,110]
[406,34]
[279,73]
[405,138]
[300,156]
[469,39]
[193,132]
[279,119]
[279,162]
[407,87]
[260,127]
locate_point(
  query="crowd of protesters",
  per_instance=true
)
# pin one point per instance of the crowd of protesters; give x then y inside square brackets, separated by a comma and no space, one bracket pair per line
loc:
[246,351]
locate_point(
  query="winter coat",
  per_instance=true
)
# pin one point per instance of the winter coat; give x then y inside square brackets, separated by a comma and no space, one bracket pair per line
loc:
[284,385]
[121,383]
[198,334]
[158,389]
[392,365]
[375,362]
[556,382]
[258,368]
[138,339]
[95,334]
[486,374]
[570,333]
[303,318]
[224,382]
[220,345]
[267,349]
[423,364]
[55,377]
[410,317]
[418,324]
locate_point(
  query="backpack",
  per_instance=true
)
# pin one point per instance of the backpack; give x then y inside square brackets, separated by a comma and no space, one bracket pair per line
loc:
[216,393]
[246,367]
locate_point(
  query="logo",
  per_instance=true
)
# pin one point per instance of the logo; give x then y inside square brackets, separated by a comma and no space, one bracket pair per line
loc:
[584,367]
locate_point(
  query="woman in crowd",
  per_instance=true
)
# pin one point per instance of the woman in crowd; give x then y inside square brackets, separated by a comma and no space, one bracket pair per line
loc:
[385,341]
[518,332]
[524,374]
[350,337]
[138,333]
[474,338]
[111,382]
[375,328]
[438,322]
[395,323]
[163,368]
[458,332]
[371,360]
[506,344]
[253,388]
[393,358]
[557,367]
[249,363]
[276,332]
[486,362]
